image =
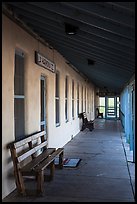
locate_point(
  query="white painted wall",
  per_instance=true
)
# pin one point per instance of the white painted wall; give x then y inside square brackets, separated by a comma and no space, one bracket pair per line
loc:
[14,37]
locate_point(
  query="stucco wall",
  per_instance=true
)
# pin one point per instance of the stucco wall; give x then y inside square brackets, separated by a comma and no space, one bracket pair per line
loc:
[14,37]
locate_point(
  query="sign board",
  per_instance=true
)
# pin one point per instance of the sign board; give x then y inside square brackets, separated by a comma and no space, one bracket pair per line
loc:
[44,62]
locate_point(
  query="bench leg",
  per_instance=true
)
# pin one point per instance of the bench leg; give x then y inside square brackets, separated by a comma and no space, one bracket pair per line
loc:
[52,169]
[83,127]
[20,183]
[90,127]
[61,156]
[40,182]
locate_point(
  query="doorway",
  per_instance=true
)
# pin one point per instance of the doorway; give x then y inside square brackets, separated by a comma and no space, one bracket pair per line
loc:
[43,123]
[111,107]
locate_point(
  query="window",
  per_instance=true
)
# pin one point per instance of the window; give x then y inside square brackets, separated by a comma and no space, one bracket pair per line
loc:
[77,98]
[118,103]
[73,99]
[82,99]
[85,99]
[19,118]
[92,101]
[57,100]
[66,98]
[43,103]
[102,105]
[88,102]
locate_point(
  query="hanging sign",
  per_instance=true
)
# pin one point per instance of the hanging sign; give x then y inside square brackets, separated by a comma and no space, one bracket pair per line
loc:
[44,62]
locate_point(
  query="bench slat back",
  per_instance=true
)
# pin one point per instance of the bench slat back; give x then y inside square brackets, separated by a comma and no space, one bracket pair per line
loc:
[32,151]
[32,144]
[28,139]
[85,120]
[84,114]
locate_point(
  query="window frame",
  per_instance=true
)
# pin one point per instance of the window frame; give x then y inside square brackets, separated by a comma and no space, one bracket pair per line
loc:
[73,105]
[19,94]
[66,98]
[57,98]
[78,99]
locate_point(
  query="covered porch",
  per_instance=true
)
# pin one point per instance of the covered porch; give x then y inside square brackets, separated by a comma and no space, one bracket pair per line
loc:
[104,174]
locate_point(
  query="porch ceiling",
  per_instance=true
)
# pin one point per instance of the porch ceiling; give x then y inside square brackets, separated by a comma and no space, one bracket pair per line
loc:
[103,48]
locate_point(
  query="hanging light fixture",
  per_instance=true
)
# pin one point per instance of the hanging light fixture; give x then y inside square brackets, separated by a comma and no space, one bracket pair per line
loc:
[91,62]
[70,29]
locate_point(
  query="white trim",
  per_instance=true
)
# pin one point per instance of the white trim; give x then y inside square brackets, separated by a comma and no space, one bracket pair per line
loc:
[19,96]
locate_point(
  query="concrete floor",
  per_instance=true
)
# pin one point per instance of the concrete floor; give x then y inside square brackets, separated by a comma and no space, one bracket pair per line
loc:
[103,175]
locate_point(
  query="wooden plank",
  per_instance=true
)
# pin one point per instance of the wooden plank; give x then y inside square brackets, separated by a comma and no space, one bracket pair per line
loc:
[32,151]
[30,166]
[47,161]
[59,150]
[28,139]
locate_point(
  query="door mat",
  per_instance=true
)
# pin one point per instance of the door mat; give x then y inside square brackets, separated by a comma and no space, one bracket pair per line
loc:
[69,162]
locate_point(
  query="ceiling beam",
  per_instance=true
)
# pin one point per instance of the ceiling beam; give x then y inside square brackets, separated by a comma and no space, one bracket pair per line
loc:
[127,6]
[102,11]
[117,60]
[93,79]
[58,23]
[94,31]
[86,19]
[117,57]
[89,55]
[81,36]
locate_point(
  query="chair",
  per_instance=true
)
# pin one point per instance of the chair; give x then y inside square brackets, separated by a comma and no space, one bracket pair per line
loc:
[98,113]
[86,123]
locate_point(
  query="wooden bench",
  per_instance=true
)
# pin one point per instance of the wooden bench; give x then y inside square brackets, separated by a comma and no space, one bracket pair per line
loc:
[30,157]
[98,113]
[85,122]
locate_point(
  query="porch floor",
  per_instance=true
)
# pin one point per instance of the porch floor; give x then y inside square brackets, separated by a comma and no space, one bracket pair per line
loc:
[104,173]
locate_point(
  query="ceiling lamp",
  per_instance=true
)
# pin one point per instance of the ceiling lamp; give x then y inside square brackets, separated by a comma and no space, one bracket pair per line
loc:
[91,62]
[70,29]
